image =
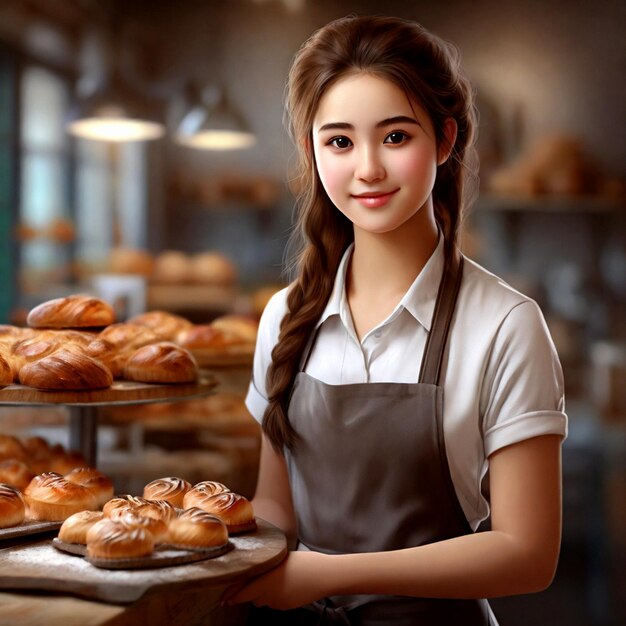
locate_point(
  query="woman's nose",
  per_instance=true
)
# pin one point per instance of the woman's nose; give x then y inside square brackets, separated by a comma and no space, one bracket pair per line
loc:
[369,166]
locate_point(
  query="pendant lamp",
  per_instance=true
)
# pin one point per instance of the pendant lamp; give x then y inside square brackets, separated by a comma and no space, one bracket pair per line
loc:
[212,123]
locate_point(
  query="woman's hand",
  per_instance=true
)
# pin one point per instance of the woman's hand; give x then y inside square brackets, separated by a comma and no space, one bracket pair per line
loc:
[297,581]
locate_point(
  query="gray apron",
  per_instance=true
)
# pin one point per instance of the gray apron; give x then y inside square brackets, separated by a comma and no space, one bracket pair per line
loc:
[369,473]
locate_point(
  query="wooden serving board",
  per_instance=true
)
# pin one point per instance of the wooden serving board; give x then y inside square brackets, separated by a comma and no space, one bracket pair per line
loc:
[37,565]
[31,527]
[120,392]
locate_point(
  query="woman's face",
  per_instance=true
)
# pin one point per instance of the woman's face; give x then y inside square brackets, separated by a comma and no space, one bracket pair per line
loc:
[375,151]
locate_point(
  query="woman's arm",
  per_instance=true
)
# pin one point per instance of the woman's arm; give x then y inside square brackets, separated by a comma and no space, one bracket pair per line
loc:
[272,499]
[518,555]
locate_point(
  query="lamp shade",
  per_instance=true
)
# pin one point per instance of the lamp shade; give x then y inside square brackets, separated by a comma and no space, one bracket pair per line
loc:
[214,126]
[115,112]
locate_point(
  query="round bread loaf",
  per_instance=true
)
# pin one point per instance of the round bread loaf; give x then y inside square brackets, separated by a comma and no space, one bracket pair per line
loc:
[240,325]
[162,362]
[212,268]
[202,491]
[76,311]
[232,508]
[101,486]
[165,325]
[212,340]
[66,370]
[172,266]
[122,502]
[50,497]
[15,473]
[130,517]
[195,528]
[74,528]
[113,539]
[171,489]
[12,509]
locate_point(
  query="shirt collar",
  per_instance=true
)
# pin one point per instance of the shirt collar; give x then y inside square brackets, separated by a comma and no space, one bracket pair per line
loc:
[419,300]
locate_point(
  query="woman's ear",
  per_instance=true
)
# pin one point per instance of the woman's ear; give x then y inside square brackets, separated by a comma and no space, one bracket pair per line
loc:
[449,137]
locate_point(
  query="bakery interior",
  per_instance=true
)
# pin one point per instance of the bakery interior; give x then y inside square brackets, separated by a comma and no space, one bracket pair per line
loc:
[198,227]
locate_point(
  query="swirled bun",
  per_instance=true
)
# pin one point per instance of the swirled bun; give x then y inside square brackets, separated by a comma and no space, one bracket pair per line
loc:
[170,489]
[165,325]
[74,528]
[66,370]
[12,509]
[162,362]
[232,508]
[122,502]
[195,528]
[100,485]
[50,497]
[129,517]
[158,509]
[202,491]
[112,539]
[15,473]
[77,311]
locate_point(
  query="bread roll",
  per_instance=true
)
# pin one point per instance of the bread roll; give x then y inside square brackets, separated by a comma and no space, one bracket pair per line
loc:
[165,325]
[130,261]
[211,340]
[74,528]
[195,528]
[77,311]
[111,539]
[130,517]
[51,497]
[122,502]
[66,370]
[63,462]
[213,268]
[15,473]
[233,509]
[12,510]
[171,489]
[239,325]
[161,362]
[172,266]
[201,491]
[11,448]
[101,486]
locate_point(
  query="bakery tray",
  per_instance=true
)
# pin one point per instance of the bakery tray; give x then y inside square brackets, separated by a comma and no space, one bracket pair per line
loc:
[31,527]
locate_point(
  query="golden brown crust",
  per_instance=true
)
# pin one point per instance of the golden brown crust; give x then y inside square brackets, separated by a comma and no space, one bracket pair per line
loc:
[76,311]
[51,497]
[232,508]
[165,325]
[162,362]
[100,485]
[6,371]
[242,326]
[66,370]
[202,491]
[207,337]
[122,502]
[130,517]
[74,528]
[12,509]
[170,488]
[195,528]
[11,448]
[212,267]
[31,350]
[15,473]
[112,539]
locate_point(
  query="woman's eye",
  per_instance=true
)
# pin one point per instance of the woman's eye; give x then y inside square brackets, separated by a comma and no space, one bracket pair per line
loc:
[396,137]
[340,142]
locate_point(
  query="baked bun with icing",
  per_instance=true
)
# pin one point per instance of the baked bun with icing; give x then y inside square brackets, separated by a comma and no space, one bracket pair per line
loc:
[113,539]
[15,473]
[195,528]
[12,509]
[100,485]
[76,311]
[162,362]
[170,488]
[130,517]
[74,528]
[50,497]
[201,491]
[233,509]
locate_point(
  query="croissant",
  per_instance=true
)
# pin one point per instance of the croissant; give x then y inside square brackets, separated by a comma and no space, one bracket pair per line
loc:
[75,311]
[66,369]
[161,362]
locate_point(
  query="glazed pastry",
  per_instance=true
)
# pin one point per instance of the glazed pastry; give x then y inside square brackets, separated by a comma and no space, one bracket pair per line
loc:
[111,539]
[15,473]
[233,509]
[12,334]
[212,340]
[74,528]
[171,489]
[201,491]
[63,462]
[122,502]
[162,362]
[30,351]
[77,311]
[165,325]
[129,517]
[51,497]
[11,448]
[195,528]
[100,485]
[66,370]
[12,510]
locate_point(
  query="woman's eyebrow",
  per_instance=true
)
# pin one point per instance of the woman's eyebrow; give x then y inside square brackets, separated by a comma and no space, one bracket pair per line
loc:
[398,119]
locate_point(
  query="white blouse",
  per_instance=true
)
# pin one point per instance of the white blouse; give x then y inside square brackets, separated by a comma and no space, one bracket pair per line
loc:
[503,380]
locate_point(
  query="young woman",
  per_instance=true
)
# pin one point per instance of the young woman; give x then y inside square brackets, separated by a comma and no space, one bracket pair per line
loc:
[393,373]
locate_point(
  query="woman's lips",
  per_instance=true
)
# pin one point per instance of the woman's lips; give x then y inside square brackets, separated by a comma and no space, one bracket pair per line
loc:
[374,199]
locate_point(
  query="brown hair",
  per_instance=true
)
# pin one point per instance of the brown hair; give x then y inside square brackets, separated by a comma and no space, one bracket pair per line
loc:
[428,70]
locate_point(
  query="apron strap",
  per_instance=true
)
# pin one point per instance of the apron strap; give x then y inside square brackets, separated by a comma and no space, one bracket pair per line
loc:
[430,370]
